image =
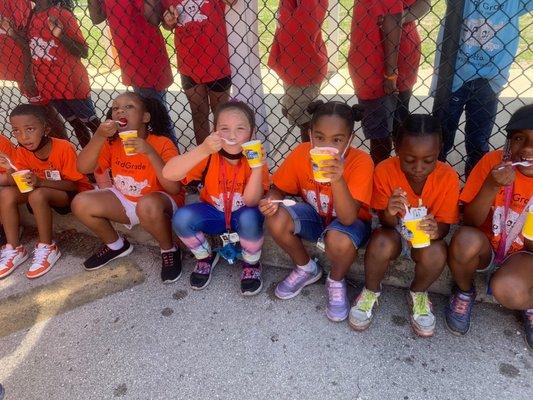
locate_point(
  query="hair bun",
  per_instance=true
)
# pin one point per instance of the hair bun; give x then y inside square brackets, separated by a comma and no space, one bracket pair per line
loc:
[358,111]
[311,108]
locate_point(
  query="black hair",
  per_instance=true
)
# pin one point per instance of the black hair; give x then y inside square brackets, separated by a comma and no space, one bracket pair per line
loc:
[159,118]
[418,125]
[350,114]
[235,105]
[31,109]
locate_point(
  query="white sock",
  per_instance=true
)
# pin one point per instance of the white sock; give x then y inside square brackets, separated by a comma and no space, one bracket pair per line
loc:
[310,267]
[118,244]
[173,248]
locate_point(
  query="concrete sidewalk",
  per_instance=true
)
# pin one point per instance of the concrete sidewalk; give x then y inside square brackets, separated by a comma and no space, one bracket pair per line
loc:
[155,341]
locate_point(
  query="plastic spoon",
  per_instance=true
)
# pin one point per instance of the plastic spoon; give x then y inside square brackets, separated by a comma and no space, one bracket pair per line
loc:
[231,143]
[518,163]
[285,202]
[10,163]
[122,122]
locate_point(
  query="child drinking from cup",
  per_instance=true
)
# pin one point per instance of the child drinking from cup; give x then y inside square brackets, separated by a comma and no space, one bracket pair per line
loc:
[416,197]
[139,193]
[497,197]
[232,188]
[44,170]
[334,183]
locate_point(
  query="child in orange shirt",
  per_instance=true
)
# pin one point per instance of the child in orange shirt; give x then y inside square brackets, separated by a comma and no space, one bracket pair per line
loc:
[413,178]
[139,194]
[334,215]
[229,197]
[6,150]
[54,179]
[496,194]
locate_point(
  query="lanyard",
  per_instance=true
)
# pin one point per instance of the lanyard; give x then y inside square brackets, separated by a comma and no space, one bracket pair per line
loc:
[329,213]
[228,196]
[502,245]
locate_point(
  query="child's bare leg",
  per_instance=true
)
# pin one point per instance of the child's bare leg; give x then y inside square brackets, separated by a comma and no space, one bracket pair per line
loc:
[155,214]
[199,104]
[41,201]
[512,284]
[281,227]
[469,251]
[95,209]
[10,198]
[340,252]
[385,246]
[429,264]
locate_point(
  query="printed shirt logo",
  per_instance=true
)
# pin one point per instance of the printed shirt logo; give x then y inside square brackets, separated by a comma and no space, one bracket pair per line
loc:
[512,216]
[218,202]
[310,198]
[480,33]
[129,186]
[41,49]
[189,11]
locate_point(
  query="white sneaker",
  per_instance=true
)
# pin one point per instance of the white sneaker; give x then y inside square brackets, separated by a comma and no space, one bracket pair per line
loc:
[11,258]
[44,258]
[422,318]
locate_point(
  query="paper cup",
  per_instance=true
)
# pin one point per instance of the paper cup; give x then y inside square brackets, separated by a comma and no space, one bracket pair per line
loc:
[130,151]
[318,156]
[527,229]
[419,238]
[254,153]
[18,177]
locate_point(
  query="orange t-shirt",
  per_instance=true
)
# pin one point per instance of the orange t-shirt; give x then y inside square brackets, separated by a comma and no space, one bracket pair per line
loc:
[440,194]
[62,159]
[295,176]
[133,175]
[213,189]
[522,192]
[7,148]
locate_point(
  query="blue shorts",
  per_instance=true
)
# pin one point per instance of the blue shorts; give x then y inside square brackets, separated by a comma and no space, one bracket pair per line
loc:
[82,109]
[310,226]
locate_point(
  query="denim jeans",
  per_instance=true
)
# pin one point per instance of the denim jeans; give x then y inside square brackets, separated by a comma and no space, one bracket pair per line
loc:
[480,104]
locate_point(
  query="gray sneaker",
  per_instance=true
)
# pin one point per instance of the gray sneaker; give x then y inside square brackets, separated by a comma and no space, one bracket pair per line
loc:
[361,313]
[422,318]
[293,284]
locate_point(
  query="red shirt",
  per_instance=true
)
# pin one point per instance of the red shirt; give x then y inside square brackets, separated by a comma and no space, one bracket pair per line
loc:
[366,59]
[298,54]
[11,67]
[58,74]
[201,40]
[141,48]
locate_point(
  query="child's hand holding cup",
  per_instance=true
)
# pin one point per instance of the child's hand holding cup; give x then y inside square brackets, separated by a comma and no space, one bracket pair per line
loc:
[416,225]
[126,137]
[253,151]
[24,180]
[318,156]
[527,229]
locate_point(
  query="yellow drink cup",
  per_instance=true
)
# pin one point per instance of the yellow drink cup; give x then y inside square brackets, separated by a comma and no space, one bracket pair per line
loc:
[419,239]
[130,151]
[318,156]
[253,152]
[527,229]
[18,177]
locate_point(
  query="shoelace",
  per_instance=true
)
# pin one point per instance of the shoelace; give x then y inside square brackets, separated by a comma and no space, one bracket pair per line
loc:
[41,254]
[251,273]
[366,300]
[421,304]
[459,306]
[296,275]
[103,251]
[168,259]
[336,294]
[7,254]
[203,268]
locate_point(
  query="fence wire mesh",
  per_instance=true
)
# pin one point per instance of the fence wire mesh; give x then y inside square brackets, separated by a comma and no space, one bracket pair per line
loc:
[274,52]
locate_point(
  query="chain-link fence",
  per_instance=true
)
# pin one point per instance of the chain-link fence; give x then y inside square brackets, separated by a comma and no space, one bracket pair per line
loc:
[276,56]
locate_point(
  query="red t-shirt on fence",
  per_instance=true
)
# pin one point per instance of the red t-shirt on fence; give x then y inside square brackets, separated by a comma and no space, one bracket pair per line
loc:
[366,59]
[58,74]
[201,40]
[298,54]
[11,67]
[140,46]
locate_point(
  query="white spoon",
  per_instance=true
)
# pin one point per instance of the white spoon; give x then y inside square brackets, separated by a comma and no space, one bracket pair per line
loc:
[231,143]
[518,163]
[10,163]
[285,202]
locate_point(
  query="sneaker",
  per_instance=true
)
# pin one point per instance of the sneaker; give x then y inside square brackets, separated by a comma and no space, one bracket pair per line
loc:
[528,327]
[458,311]
[422,318]
[293,284]
[44,258]
[251,282]
[171,266]
[106,255]
[338,307]
[11,258]
[361,314]
[201,276]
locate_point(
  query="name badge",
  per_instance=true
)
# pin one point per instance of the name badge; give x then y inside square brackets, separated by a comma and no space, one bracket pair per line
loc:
[229,238]
[320,245]
[52,175]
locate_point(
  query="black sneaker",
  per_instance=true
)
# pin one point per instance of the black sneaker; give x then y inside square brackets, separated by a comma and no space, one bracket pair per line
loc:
[171,266]
[528,327]
[251,282]
[201,276]
[105,255]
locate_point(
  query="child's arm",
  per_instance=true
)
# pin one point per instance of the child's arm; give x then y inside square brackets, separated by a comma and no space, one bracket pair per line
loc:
[96,12]
[253,192]
[416,11]
[152,11]
[88,157]
[75,48]
[63,185]
[476,212]
[391,29]
[178,167]
[346,206]
[395,208]
[435,230]
[170,18]
[267,208]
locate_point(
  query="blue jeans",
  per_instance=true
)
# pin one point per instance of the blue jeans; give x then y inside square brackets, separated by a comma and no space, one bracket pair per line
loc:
[480,104]
[82,109]
[161,96]
[192,221]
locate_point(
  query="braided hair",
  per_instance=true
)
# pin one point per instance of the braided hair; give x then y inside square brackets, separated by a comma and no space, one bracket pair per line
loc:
[419,125]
